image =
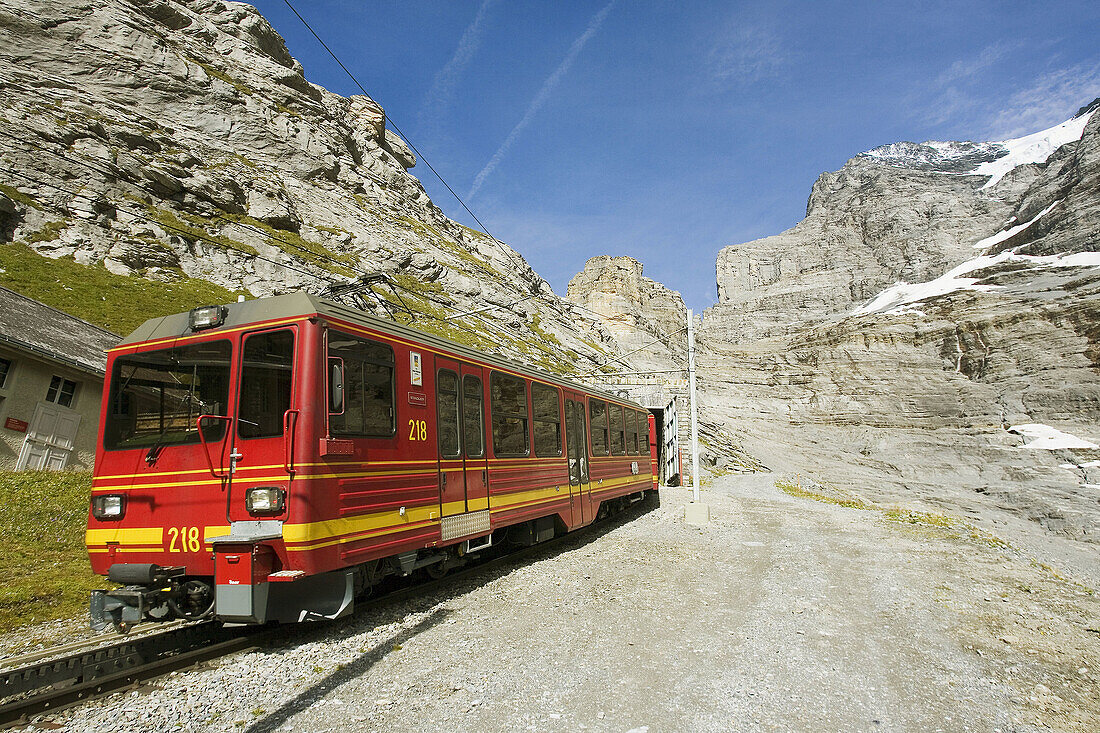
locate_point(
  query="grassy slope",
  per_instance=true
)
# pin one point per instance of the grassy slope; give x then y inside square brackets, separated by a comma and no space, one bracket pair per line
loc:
[118,303]
[42,557]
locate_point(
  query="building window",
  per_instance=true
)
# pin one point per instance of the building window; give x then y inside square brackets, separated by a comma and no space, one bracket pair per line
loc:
[5,369]
[61,391]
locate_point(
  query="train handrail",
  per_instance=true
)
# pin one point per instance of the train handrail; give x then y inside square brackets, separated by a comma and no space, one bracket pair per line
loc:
[206,445]
[290,428]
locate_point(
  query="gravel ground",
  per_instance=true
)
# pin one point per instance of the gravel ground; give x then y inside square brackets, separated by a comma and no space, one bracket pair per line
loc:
[781,614]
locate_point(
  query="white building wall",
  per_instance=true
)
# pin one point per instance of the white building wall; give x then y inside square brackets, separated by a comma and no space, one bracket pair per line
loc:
[27,383]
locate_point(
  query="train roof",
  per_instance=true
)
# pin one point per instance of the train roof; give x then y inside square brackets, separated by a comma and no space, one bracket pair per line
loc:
[303,305]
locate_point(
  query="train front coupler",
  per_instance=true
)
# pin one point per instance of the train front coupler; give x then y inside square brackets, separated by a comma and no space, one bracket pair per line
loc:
[148,591]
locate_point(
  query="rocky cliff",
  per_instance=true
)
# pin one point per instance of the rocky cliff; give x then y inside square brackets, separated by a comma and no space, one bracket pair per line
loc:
[929,333]
[179,142]
[644,316]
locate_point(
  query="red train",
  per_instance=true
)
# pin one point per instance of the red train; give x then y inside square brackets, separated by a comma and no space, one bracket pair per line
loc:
[271,460]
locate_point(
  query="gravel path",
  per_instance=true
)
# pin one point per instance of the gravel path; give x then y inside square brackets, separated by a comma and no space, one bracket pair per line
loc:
[782,614]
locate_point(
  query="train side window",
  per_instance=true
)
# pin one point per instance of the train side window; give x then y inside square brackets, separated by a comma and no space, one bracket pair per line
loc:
[267,365]
[597,422]
[546,405]
[618,441]
[368,387]
[509,405]
[632,432]
[446,400]
[473,417]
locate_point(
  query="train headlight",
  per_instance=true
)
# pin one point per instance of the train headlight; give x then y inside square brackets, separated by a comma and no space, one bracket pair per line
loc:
[208,316]
[265,500]
[108,506]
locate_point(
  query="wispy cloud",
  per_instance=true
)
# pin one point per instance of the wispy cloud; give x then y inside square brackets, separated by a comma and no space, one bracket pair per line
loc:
[1049,99]
[969,68]
[747,55]
[541,98]
[442,91]
[956,93]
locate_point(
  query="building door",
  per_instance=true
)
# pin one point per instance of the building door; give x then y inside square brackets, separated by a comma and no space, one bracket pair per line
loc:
[576,438]
[50,438]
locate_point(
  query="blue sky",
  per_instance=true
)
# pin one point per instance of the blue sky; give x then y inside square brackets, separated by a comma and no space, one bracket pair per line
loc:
[667,130]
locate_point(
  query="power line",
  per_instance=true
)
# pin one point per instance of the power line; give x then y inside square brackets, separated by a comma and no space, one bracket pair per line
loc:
[408,140]
[184,232]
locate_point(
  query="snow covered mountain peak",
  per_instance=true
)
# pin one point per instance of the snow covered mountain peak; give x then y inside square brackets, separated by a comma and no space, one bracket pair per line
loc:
[993,159]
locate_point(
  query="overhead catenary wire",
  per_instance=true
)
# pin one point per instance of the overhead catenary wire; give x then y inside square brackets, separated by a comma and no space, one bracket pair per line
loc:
[328,258]
[504,248]
[163,225]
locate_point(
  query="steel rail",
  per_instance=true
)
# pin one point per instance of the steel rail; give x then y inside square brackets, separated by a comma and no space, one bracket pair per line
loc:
[66,675]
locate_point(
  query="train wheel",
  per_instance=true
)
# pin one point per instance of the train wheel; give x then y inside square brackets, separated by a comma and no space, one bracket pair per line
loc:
[196,599]
[437,570]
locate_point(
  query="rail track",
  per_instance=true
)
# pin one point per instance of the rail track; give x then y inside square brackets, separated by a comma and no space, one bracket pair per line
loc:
[62,676]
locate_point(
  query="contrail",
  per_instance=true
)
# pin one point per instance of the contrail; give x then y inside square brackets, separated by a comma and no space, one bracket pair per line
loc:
[443,86]
[548,87]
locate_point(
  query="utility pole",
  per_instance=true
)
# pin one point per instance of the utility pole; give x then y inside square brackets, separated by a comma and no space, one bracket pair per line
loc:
[694,412]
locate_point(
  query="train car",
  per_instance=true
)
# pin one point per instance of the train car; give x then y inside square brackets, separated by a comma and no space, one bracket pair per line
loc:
[271,460]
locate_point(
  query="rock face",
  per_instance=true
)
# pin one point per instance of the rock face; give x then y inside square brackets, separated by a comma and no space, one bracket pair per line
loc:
[170,139]
[643,315]
[894,339]
[899,213]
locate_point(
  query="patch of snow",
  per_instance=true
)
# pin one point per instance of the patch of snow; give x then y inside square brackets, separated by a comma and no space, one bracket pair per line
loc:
[1047,438]
[1090,464]
[1091,486]
[893,298]
[1033,148]
[1012,231]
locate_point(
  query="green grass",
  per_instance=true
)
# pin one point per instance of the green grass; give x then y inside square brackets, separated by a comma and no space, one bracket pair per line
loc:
[795,487]
[237,84]
[119,303]
[297,246]
[50,231]
[19,197]
[42,556]
[195,230]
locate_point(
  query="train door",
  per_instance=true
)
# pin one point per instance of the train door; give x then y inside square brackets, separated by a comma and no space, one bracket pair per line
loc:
[576,437]
[472,403]
[460,425]
[261,446]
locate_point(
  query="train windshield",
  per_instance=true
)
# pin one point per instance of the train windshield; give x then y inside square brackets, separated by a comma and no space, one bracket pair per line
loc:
[157,396]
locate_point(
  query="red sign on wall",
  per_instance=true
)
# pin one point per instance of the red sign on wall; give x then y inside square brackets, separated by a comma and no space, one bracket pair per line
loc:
[418,399]
[18,425]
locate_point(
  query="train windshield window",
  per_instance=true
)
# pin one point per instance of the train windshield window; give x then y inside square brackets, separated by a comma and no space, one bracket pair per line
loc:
[368,387]
[547,414]
[473,417]
[598,425]
[509,404]
[266,381]
[156,397]
[618,442]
